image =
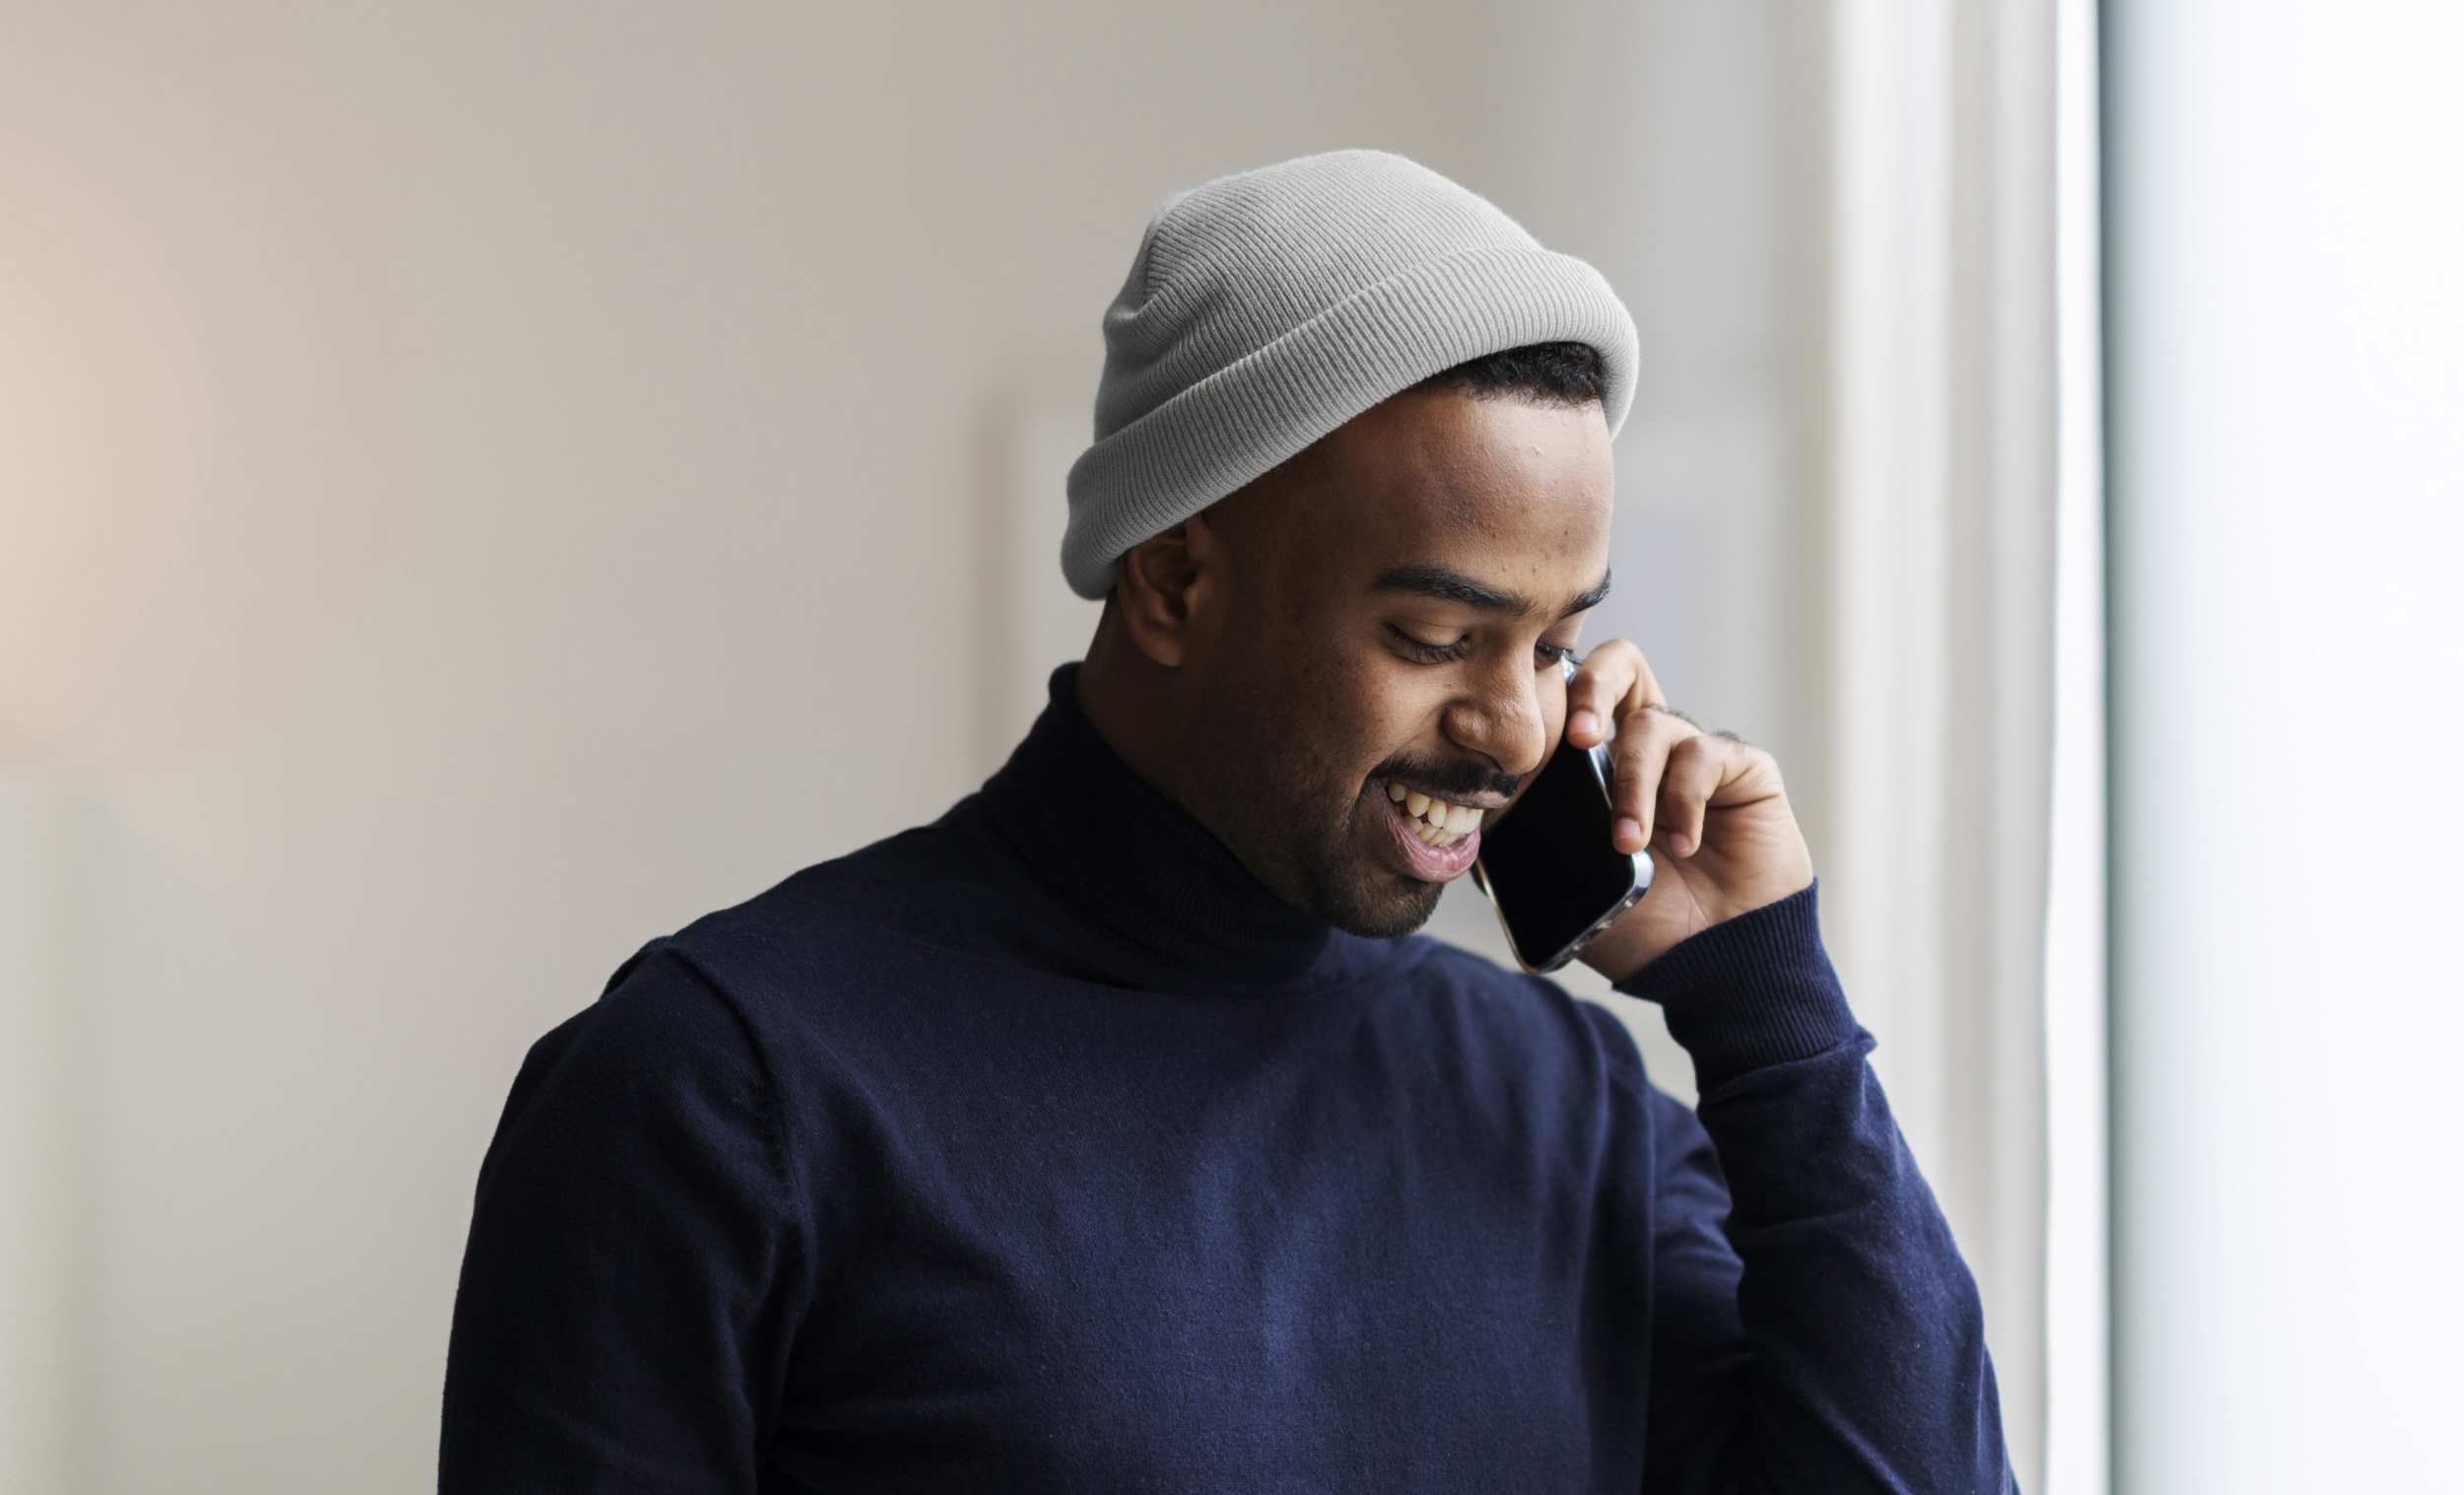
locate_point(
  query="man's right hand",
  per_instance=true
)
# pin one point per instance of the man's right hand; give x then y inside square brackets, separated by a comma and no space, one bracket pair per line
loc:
[1711,809]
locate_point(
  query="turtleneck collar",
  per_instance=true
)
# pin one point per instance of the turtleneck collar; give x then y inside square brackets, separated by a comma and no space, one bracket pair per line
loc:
[1182,912]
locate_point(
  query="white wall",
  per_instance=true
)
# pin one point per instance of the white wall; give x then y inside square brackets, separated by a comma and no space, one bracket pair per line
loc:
[2287,226]
[40,1201]
[491,482]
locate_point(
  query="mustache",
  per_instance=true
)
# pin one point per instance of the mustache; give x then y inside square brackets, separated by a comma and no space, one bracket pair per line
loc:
[1449,776]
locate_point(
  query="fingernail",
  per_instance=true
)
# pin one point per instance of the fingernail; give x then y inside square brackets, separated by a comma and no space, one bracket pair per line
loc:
[1584,721]
[1629,829]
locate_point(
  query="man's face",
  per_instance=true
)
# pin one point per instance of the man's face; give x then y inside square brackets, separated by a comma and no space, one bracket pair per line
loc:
[1387,674]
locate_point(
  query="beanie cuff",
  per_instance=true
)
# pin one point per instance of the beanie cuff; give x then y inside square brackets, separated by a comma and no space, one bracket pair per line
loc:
[1243,421]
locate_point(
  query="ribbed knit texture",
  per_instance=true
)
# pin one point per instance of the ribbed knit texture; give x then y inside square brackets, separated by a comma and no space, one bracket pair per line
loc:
[1741,997]
[1267,309]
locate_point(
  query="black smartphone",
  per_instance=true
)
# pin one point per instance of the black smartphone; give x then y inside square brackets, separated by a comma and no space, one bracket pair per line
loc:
[1549,867]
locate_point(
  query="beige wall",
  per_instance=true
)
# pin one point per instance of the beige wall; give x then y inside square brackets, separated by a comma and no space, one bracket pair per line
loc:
[502,484]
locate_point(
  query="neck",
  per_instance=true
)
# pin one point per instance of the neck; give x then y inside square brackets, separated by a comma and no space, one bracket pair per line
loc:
[1180,912]
[1138,706]
[1149,714]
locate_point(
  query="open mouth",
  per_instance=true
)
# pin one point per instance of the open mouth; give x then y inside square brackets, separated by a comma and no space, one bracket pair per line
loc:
[1434,822]
[1436,838]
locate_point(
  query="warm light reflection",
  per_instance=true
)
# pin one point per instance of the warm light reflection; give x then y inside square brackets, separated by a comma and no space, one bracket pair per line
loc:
[104,415]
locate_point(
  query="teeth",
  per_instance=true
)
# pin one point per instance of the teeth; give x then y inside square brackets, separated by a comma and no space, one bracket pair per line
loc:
[1437,822]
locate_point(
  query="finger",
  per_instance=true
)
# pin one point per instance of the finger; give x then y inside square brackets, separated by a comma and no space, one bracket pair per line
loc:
[1604,678]
[1612,683]
[1697,768]
[1636,763]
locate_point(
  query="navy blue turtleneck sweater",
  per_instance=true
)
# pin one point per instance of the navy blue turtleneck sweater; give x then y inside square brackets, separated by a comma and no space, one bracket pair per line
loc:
[1044,1149]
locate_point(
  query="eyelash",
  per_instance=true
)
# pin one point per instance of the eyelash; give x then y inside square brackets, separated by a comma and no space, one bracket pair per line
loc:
[1448,653]
[1432,653]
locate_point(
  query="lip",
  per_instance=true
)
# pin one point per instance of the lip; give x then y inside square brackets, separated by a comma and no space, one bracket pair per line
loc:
[1428,863]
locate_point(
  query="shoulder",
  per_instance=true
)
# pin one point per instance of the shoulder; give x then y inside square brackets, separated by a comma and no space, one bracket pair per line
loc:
[704,996]
[935,888]
[1516,1002]
[1519,1056]
[655,1004]
[662,1062]
[1514,1014]
[823,922]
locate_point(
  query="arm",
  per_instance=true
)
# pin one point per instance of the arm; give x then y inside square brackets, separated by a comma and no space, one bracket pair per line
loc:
[633,1272]
[1836,1343]
[1814,1328]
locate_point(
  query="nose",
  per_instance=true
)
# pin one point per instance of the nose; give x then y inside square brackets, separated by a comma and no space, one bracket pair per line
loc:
[1502,717]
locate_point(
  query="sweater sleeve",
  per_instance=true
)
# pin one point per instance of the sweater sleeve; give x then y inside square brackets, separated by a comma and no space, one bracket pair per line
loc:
[627,1292]
[1815,1327]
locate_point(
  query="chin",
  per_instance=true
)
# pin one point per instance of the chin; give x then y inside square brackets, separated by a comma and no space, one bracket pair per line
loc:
[1339,877]
[1374,903]
[1402,920]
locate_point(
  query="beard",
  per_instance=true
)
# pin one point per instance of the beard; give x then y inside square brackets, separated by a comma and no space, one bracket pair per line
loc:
[1309,827]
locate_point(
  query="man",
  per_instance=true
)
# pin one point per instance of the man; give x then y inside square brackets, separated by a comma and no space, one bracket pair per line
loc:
[1112,1132]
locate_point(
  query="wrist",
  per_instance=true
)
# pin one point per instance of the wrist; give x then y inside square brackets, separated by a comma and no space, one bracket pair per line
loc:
[1750,992]
[1680,905]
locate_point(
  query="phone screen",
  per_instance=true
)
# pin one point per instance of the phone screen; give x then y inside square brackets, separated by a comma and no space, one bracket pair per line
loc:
[1549,864]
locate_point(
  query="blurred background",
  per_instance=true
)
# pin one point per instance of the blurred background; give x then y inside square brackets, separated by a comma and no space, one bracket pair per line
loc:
[482,484]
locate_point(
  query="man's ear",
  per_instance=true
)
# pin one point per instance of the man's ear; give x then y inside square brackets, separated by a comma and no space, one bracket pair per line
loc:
[1171,589]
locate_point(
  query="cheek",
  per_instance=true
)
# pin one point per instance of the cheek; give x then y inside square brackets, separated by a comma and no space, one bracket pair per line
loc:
[1386,707]
[1326,713]
[1335,703]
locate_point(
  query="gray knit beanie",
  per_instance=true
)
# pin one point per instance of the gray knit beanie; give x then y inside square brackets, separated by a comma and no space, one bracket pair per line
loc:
[1267,309]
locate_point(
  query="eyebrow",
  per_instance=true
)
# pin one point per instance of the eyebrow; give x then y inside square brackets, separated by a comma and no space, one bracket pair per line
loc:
[1450,586]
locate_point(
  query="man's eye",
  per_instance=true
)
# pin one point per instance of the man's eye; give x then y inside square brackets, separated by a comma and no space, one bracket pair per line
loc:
[1433,653]
[1555,653]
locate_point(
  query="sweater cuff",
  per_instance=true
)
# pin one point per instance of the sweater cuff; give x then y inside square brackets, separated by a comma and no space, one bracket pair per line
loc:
[1750,992]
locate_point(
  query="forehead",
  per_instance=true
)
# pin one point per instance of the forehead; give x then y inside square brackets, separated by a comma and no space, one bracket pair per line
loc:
[1509,492]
